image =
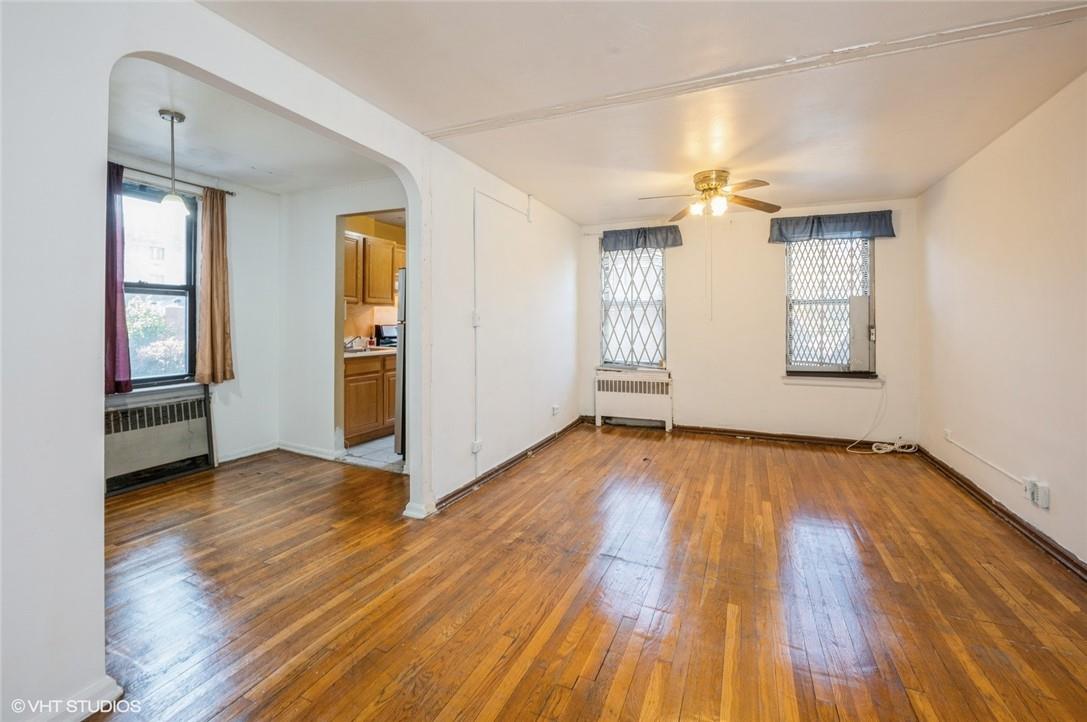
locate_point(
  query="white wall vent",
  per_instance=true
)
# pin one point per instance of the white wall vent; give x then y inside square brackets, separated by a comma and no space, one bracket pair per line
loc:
[644,394]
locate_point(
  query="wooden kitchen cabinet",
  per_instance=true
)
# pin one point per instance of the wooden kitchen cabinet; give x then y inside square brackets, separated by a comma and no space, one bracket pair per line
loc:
[378,272]
[369,269]
[352,271]
[369,397]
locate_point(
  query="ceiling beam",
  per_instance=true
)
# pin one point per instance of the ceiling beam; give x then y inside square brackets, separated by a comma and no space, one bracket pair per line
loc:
[788,66]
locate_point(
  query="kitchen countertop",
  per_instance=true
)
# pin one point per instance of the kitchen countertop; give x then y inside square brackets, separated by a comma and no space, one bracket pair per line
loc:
[356,353]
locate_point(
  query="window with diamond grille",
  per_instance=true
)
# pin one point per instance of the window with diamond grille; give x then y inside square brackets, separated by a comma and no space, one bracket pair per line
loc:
[632,307]
[826,279]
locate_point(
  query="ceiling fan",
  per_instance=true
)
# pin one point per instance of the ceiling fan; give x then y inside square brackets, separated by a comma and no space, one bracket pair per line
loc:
[715,192]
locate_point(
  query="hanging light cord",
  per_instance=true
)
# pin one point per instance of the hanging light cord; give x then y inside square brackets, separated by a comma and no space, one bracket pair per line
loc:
[173,167]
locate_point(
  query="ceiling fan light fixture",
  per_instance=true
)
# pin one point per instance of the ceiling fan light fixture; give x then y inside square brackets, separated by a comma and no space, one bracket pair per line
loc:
[718,205]
[714,194]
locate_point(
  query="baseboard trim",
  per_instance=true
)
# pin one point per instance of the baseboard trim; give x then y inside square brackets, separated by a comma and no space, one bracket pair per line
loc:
[415,510]
[768,435]
[105,689]
[761,435]
[245,453]
[1040,539]
[326,454]
[466,489]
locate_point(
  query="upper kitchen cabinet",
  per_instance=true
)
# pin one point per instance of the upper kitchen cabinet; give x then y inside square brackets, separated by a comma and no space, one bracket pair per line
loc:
[352,270]
[378,271]
[400,259]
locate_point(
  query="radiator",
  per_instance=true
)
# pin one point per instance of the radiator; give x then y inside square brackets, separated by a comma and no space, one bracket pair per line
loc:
[159,432]
[634,394]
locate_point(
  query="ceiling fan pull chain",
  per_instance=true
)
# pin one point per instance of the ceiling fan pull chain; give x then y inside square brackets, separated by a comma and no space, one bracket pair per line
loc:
[709,265]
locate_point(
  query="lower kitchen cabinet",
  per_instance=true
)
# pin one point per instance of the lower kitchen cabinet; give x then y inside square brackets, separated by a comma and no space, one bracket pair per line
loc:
[369,397]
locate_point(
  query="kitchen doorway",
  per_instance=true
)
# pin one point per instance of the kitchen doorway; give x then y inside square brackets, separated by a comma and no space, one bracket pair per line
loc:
[374,258]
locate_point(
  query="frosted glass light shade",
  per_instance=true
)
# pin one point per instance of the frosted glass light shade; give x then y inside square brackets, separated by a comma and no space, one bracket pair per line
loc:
[176,203]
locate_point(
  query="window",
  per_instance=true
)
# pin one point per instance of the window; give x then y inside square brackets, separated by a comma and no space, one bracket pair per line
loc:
[829,325]
[160,300]
[632,307]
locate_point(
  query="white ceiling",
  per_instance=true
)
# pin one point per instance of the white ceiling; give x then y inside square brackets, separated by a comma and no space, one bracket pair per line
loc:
[879,128]
[223,136]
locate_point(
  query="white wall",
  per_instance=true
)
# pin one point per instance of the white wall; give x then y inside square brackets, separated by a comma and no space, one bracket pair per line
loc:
[526,273]
[51,534]
[245,411]
[311,299]
[725,306]
[527,300]
[1005,315]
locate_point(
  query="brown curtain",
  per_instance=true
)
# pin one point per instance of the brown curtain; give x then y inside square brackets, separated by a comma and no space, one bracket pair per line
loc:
[214,359]
[118,368]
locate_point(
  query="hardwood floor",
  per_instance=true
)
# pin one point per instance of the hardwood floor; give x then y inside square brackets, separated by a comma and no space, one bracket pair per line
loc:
[617,574]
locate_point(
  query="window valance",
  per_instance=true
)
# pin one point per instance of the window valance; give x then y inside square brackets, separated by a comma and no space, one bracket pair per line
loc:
[871,224]
[628,239]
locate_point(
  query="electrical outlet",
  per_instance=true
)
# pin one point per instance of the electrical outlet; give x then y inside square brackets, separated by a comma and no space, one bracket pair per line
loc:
[555,410]
[1037,492]
[1041,495]
[476,446]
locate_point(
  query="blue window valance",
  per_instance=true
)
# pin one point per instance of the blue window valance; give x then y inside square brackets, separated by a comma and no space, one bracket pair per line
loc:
[628,239]
[872,224]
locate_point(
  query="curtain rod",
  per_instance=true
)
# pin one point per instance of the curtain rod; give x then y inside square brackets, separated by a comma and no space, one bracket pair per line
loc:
[179,180]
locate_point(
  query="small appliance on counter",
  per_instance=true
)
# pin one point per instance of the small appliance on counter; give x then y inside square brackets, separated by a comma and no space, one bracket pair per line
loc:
[387,335]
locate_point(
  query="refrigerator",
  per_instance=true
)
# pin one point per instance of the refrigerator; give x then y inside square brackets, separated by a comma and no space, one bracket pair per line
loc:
[401,351]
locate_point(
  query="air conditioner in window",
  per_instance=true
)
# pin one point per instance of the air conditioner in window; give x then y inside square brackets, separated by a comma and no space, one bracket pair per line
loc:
[862,334]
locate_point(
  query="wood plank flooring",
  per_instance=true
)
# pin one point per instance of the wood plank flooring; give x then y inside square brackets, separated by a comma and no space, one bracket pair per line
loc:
[617,574]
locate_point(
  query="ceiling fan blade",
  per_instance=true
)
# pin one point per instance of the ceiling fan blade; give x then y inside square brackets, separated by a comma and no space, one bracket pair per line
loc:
[681,215]
[752,203]
[681,195]
[744,185]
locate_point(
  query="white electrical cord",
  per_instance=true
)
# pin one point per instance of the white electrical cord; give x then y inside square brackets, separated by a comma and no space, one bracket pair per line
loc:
[882,447]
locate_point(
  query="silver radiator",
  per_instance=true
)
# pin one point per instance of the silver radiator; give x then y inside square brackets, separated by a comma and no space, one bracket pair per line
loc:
[634,394]
[155,432]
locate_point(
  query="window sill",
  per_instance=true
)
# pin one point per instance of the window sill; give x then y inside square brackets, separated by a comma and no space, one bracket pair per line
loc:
[146,394]
[624,367]
[859,382]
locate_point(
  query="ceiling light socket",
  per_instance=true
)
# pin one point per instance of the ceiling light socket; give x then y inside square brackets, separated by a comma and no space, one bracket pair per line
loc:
[175,116]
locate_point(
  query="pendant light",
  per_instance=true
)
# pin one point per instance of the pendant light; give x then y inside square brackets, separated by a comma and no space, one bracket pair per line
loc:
[172,199]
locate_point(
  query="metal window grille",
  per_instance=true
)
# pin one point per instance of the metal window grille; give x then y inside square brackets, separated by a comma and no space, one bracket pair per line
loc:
[632,307]
[822,275]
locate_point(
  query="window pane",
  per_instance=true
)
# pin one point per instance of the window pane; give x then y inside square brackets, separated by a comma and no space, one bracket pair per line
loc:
[155,243]
[822,276]
[157,334]
[632,301]
[819,334]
